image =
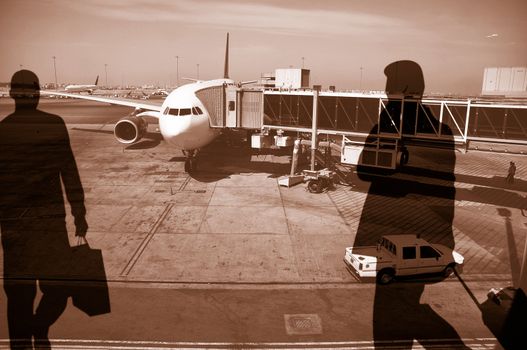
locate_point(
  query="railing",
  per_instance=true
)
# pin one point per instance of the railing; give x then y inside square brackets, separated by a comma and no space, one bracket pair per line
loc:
[421,119]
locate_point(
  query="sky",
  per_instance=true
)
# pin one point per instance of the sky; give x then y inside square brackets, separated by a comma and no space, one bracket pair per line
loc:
[344,43]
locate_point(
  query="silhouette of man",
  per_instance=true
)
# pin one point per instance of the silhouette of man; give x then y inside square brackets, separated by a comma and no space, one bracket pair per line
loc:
[36,161]
[511,172]
[395,207]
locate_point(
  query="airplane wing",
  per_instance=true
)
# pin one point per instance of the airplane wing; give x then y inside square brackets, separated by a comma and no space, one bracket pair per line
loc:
[120,102]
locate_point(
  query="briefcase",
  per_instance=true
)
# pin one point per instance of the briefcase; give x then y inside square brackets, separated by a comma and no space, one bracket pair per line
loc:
[89,290]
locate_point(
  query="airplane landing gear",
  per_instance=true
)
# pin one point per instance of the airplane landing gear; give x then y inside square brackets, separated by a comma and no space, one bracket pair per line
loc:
[191,165]
[191,162]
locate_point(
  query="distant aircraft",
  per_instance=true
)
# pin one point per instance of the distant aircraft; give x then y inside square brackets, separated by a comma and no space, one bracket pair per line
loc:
[183,118]
[82,88]
[157,94]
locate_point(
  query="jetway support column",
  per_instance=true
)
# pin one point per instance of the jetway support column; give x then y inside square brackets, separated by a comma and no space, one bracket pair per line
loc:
[314,128]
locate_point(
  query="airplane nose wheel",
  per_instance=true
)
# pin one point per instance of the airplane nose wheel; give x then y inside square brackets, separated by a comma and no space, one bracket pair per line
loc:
[191,162]
[191,165]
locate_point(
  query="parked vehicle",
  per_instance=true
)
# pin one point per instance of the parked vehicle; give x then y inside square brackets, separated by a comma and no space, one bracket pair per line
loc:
[401,255]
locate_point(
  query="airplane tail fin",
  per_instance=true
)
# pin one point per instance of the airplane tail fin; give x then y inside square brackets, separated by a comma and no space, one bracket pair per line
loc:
[226,68]
[96,81]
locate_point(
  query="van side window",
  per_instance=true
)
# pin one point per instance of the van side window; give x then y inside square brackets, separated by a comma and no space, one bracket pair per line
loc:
[428,252]
[388,245]
[409,253]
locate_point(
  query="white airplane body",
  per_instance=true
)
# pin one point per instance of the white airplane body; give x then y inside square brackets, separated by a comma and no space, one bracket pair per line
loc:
[190,131]
[82,88]
[184,121]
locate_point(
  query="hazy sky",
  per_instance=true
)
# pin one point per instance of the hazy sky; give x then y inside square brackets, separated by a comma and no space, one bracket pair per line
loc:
[452,40]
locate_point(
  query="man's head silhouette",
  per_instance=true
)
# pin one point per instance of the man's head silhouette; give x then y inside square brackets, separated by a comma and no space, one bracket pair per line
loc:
[404,78]
[25,89]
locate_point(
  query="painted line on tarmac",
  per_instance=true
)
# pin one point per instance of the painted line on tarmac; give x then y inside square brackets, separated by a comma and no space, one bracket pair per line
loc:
[73,344]
[142,246]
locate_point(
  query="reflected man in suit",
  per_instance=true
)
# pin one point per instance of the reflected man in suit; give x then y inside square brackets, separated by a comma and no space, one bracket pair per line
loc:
[36,163]
[395,206]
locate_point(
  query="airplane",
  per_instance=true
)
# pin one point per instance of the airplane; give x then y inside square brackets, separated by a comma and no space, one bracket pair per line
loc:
[183,118]
[82,88]
[159,93]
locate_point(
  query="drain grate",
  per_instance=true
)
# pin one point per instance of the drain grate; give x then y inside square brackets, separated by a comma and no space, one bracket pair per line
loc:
[303,324]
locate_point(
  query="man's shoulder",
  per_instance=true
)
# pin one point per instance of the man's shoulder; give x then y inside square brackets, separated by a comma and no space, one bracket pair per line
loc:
[50,118]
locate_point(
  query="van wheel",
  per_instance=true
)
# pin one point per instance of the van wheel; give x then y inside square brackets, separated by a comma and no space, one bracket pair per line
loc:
[449,270]
[385,276]
[405,157]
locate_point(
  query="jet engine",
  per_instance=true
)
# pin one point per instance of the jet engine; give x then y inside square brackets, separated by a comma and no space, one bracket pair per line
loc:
[130,129]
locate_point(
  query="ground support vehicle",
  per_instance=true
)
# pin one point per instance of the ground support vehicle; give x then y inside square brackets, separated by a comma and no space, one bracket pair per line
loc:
[401,255]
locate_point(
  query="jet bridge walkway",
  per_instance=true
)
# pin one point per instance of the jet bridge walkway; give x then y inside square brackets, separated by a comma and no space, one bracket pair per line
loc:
[372,129]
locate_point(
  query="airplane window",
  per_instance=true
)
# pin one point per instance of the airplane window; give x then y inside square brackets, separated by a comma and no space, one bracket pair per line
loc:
[174,111]
[166,110]
[197,111]
[185,111]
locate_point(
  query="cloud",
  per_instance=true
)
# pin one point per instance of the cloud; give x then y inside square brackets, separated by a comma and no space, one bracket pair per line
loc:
[247,15]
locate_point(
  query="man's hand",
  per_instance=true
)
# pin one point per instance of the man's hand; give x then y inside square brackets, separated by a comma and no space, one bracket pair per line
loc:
[81,227]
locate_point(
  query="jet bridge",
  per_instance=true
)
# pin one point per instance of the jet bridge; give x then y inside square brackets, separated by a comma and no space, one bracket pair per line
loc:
[373,128]
[233,107]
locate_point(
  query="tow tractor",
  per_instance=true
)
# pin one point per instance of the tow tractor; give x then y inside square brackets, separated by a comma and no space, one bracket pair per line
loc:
[319,180]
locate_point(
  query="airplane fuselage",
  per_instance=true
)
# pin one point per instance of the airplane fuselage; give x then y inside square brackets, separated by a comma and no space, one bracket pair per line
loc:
[80,88]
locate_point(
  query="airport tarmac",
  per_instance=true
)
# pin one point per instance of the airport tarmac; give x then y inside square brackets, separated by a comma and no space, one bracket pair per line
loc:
[229,237]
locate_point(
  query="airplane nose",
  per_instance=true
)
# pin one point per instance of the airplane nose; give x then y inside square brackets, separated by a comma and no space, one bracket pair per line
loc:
[176,131]
[175,126]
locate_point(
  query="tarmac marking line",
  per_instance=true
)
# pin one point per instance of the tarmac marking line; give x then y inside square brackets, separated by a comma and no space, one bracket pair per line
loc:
[204,218]
[185,183]
[139,251]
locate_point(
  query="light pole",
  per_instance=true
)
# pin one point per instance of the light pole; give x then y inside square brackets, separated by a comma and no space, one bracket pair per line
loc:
[105,75]
[197,65]
[360,83]
[55,69]
[303,62]
[177,71]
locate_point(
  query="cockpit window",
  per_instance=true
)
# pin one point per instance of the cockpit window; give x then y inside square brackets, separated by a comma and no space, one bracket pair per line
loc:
[185,111]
